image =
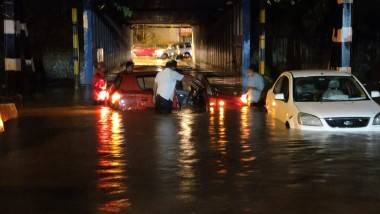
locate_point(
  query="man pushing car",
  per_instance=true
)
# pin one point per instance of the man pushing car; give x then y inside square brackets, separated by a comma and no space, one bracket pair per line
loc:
[164,87]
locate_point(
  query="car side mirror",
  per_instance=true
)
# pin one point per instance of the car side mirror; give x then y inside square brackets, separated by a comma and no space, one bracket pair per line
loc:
[279,97]
[375,94]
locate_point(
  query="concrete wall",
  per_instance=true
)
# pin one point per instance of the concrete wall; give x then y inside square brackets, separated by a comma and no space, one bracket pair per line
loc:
[218,43]
[113,39]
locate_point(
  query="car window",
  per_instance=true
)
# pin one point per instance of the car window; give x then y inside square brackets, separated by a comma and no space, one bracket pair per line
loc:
[146,83]
[188,45]
[328,89]
[277,87]
[118,81]
[186,86]
[282,87]
[285,88]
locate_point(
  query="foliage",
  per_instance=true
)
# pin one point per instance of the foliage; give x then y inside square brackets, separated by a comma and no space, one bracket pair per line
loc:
[112,6]
[125,11]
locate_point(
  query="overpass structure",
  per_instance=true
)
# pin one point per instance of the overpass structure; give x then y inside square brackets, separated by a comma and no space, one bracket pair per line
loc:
[228,35]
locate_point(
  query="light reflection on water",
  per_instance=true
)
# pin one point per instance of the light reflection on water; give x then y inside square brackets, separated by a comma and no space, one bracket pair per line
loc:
[187,157]
[218,139]
[112,161]
[245,146]
[224,155]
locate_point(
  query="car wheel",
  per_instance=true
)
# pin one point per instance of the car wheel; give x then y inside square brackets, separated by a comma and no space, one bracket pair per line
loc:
[164,56]
[187,55]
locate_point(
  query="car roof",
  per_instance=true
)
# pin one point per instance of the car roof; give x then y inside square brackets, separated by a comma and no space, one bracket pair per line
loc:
[139,74]
[311,73]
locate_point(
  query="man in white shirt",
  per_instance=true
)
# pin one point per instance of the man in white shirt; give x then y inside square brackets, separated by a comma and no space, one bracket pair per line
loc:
[164,87]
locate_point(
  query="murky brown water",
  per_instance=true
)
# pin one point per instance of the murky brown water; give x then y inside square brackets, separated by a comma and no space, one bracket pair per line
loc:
[96,160]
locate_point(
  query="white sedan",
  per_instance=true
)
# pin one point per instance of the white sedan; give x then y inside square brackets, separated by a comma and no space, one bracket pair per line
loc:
[323,101]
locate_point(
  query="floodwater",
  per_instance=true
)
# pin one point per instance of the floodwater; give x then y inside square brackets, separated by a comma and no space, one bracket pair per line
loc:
[82,159]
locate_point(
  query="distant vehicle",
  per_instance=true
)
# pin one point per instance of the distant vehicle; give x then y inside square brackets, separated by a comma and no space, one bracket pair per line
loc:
[143,51]
[184,50]
[323,100]
[166,53]
[134,91]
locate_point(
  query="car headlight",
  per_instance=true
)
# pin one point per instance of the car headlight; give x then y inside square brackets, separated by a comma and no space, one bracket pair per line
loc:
[308,120]
[376,120]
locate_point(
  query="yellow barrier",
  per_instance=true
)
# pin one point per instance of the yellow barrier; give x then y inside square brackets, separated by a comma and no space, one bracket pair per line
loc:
[7,112]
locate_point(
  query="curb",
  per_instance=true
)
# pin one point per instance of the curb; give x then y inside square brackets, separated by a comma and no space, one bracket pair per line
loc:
[7,112]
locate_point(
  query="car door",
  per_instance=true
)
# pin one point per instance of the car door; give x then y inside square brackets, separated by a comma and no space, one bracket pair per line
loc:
[281,106]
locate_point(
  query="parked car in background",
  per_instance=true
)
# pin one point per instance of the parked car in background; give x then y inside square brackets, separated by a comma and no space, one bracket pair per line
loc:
[166,52]
[323,101]
[184,50]
[143,51]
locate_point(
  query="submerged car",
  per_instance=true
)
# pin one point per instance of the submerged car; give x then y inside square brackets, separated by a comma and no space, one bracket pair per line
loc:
[323,100]
[134,91]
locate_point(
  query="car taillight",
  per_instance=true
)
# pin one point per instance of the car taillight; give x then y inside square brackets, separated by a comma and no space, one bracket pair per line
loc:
[115,97]
[103,95]
[217,103]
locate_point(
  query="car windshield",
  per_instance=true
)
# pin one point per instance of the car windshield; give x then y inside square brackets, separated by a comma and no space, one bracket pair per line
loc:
[327,89]
[146,82]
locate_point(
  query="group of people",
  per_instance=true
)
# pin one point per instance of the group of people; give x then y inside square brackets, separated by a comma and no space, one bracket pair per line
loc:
[166,81]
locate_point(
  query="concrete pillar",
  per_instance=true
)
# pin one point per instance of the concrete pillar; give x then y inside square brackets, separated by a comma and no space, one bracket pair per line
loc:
[76,64]
[246,46]
[262,39]
[342,35]
[12,60]
[87,74]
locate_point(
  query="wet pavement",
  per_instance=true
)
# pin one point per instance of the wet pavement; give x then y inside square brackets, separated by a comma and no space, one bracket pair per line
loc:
[91,159]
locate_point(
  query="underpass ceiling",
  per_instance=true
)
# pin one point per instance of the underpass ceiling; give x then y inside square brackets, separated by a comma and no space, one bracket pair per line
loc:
[175,11]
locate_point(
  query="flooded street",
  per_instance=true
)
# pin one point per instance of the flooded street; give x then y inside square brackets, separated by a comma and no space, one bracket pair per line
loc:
[85,159]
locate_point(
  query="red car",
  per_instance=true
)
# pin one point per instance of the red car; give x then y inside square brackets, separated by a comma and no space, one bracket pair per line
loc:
[143,51]
[134,91]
